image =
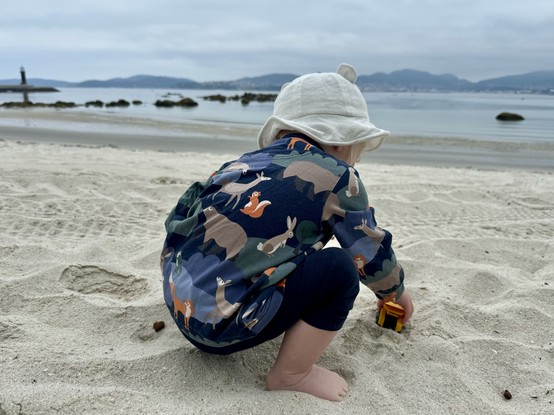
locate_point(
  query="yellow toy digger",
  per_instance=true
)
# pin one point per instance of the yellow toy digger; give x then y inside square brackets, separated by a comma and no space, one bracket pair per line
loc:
[390,316]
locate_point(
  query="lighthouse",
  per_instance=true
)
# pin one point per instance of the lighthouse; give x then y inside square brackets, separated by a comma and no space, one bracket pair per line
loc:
[23,76]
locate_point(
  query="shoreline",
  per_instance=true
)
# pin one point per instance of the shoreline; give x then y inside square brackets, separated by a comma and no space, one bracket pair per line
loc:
[114,130]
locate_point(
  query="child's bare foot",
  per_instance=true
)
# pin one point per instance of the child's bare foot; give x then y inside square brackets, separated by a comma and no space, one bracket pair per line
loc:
[317,381]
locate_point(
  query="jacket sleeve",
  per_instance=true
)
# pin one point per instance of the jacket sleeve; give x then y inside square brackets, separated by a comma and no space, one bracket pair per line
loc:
[352,221]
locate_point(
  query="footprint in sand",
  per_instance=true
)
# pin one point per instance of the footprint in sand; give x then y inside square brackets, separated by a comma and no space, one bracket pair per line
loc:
[10,330]
[89,279]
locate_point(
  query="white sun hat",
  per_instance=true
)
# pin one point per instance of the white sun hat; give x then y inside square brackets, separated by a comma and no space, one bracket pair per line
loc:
[327,107]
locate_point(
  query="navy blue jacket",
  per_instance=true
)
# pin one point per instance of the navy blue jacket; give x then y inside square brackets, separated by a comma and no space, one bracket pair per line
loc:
[232,240]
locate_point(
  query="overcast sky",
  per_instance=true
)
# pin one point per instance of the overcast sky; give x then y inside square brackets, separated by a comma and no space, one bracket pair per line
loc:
[204,40]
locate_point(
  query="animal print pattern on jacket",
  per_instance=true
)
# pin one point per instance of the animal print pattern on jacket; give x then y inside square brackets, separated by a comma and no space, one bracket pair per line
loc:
[232,241]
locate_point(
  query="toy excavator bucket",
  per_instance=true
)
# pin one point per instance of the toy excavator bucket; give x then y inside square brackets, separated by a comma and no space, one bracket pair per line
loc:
[390,316]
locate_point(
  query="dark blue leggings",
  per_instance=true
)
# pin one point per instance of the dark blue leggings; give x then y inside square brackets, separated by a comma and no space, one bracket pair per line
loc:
[321,291]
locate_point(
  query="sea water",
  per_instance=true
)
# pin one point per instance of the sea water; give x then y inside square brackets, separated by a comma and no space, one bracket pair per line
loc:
[464,115]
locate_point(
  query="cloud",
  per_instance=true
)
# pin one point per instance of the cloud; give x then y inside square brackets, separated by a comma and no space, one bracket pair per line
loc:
[220,40]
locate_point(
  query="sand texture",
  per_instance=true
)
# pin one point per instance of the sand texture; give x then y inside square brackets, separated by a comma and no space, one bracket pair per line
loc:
[81,229]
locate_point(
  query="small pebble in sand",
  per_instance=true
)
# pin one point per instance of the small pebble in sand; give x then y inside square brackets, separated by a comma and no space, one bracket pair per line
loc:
[158,325]
[507,394]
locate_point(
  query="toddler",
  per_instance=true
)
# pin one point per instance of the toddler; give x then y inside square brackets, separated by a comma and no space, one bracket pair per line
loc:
[243,261]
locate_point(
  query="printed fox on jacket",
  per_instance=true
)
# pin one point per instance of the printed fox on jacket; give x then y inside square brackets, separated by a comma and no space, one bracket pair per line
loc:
[255,208]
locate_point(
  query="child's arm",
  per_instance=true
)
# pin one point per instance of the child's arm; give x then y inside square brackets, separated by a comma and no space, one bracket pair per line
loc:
[353,224]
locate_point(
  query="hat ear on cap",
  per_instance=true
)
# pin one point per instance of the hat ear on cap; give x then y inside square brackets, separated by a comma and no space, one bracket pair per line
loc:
[285,85]
[348,72]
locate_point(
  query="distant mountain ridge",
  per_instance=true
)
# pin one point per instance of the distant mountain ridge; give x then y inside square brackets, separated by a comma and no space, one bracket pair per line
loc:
[271,82]
[412,80]
[540,80]
[402,80]
[140,81]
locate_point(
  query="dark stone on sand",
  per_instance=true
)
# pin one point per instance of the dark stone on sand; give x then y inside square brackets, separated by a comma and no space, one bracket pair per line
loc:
[158,325]
[509,116]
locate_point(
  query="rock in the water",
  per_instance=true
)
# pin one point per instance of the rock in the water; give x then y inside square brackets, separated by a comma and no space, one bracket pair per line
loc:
[118,103]
[509,116]
[97,103]
[185,102]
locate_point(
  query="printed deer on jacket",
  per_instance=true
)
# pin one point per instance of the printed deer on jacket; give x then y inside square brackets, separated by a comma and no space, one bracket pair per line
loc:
[236,190]
[223,308]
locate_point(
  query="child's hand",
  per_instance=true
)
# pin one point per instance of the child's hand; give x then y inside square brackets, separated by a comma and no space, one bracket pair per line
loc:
[406,302]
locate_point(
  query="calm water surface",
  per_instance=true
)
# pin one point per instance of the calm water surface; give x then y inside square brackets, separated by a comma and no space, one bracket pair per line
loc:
[469,115]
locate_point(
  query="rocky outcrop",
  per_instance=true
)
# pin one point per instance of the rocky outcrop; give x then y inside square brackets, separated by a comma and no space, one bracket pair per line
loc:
[167,103]
[245,98]
[509,116]
[218,97]
[29,104]
[97,104]
[118,103]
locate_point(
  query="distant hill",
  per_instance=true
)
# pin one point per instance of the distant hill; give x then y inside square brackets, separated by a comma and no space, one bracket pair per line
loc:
[403,80]
[533,81]
[412,80]
[272,82]
[141,81]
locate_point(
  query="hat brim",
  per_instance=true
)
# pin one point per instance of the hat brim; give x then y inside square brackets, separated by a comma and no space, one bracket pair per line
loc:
[328,129]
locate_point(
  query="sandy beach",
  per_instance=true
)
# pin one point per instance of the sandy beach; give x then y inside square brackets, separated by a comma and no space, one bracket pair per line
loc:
[82,205]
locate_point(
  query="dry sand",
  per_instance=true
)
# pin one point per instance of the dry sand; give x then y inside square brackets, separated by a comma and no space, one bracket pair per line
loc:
[81,228]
